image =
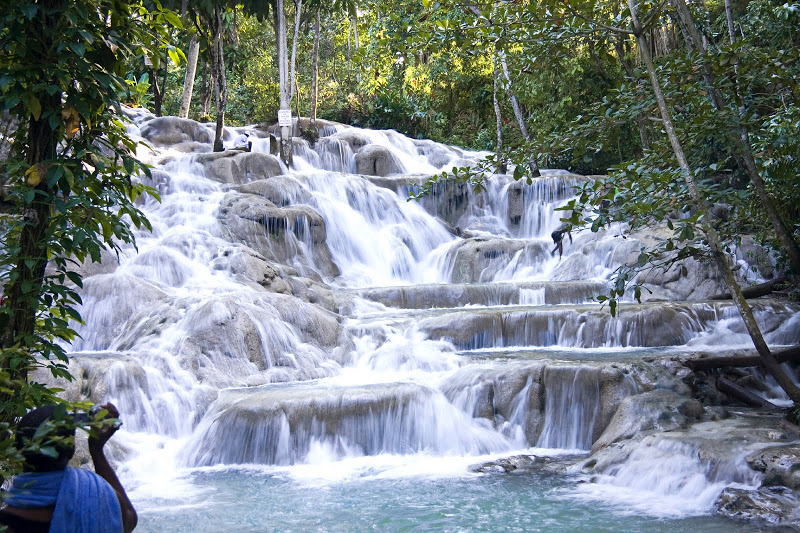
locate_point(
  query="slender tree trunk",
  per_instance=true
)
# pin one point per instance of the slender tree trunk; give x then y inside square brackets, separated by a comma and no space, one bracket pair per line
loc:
[158,94]
[188,79]
[349,56]
[502,167]
[714,241]
[292,81]
[221,86]
[164,81]
[354,22]
[315,71]
[208,89]
[534,164]
[740,138]
[284,83]
[729,16]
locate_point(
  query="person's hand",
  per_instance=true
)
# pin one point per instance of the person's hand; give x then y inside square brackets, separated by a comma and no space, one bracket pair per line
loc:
[100,436]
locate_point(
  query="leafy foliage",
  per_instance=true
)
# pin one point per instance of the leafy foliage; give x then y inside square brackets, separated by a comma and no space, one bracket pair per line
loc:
[69,180]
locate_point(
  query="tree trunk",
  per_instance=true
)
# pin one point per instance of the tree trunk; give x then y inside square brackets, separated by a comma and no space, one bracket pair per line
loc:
[292,81]
[740,138]
[502,167]
[534,164]
[315,72]
[349,57]
[188,79]
[729,16]
[208,89]
[743,395]
[221,86]
[736,360]
[22,291]
[714,242]
[158,93]
[354,22]
[283,78]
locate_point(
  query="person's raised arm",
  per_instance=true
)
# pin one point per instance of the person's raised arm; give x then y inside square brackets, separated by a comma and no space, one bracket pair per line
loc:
[103,469]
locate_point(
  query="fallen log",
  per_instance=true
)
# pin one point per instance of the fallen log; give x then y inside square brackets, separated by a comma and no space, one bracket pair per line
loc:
[745,396]
[755,291]
[782,356]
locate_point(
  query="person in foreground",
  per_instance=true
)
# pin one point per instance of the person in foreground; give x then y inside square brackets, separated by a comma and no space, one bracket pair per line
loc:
[51,496]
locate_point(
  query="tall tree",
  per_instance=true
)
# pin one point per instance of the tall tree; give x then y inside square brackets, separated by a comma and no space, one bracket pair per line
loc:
[283,82]
[68,174]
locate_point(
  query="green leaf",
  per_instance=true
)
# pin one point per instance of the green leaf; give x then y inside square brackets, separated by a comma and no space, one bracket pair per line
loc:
[34,107]
[78,48]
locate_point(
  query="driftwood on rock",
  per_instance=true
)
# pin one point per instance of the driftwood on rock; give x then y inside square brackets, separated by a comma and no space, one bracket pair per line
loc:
[755,291]
[781,356]
[740,393]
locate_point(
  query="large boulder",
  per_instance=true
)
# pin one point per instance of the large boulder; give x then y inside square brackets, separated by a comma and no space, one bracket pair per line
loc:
[662,410]
[251,268]
[355,138]
[780,465]
[292,235]
[281,190]
[236,167]
[480,259]
[772,506]
[376,160]
[167,131]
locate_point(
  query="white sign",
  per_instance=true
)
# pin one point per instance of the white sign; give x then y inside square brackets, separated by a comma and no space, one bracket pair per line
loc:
[284,117]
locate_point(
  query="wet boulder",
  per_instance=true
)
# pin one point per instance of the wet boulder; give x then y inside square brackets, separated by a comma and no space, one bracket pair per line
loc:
[236,167]
[780,465]
[280,190]
[376,160]
[292,235]
[356,139]
[773,506]
[480,259]
[438,155]
[662,410]
[167,131]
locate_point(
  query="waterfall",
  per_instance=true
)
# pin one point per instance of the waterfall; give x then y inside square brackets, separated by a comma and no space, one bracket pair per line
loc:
[292,317]
[572,403]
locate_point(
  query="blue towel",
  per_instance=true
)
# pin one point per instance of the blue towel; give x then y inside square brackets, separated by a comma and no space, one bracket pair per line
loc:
[84,502]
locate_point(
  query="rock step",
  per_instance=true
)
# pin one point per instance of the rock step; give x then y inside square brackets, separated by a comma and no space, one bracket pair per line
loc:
[592,326]
[284,423]
[486,294]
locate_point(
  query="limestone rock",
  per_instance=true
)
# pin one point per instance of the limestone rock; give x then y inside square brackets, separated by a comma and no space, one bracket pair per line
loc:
[774,506]
[376,160]
[281,190]
[662,410]
[352,137]
[168,131]
[780,464]
[276,232]
[479,259]
[236,167]
[438,155]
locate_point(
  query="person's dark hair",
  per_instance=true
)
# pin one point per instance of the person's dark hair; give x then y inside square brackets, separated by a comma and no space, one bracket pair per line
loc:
[26,429]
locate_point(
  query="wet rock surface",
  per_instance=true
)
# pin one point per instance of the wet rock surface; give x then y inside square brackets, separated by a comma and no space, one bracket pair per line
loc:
[780,464]
[771,506]
[523,464]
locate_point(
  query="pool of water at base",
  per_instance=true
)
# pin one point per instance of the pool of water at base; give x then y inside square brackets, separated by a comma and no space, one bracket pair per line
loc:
[258,500]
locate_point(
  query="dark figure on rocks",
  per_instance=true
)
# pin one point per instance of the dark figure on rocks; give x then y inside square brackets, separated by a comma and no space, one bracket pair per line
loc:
[558,237]
[51,496]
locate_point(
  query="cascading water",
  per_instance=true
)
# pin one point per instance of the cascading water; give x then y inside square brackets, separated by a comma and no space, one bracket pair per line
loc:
[306,323]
